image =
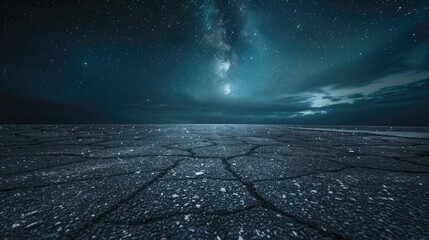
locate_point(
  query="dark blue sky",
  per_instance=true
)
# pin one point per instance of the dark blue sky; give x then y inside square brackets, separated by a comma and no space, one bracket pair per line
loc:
[213,61]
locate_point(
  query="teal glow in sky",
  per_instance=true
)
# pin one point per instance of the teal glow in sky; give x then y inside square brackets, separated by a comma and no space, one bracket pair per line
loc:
[213,61]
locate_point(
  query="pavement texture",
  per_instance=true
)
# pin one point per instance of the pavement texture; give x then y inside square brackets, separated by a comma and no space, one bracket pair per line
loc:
[213,182]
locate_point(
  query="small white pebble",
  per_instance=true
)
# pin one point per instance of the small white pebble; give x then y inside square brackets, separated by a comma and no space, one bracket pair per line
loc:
[223,190]
[15,225]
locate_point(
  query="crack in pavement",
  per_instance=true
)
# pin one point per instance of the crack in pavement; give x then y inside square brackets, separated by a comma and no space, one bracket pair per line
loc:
[100,217]
[268,205]
[204,142]
[358,154]
[250,187]
[86,159]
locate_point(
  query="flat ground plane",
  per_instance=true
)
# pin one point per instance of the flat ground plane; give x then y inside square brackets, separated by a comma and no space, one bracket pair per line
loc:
[213,182]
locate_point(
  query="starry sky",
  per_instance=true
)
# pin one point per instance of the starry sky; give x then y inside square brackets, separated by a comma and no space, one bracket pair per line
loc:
[215,61]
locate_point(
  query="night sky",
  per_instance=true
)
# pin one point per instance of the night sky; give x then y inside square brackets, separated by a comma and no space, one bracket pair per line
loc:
[215,61]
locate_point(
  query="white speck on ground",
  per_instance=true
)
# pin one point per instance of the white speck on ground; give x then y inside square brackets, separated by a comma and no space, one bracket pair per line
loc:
[15,225]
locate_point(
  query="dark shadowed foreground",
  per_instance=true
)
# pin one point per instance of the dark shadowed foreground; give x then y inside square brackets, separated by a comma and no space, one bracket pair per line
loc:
[213,181]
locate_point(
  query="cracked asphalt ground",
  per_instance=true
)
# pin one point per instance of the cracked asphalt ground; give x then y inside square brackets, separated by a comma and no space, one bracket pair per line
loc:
[212,181]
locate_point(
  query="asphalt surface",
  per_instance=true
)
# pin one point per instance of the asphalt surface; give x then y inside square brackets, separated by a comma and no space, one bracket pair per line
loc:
[212,182]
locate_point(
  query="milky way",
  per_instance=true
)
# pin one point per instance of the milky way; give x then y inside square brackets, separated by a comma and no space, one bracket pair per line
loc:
[215,61]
